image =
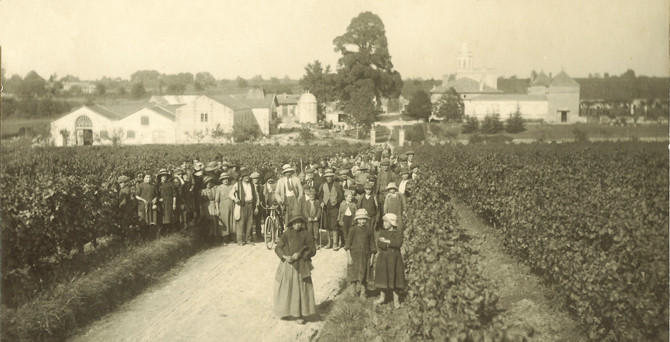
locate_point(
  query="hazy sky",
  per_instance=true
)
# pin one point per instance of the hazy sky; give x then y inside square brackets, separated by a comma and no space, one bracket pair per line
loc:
[91,39]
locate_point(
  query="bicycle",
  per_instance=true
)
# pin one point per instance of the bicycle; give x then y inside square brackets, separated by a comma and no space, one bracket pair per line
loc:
[272,228]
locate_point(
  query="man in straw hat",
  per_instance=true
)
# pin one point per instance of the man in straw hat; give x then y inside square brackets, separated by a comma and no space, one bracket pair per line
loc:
[245,196]
[289,192]
[331,195]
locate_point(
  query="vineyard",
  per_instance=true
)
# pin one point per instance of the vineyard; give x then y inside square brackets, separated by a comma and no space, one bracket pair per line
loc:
[56,200]
[590,219]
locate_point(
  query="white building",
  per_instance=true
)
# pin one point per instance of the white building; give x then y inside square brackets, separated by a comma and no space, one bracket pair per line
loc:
[307,111]
[153,124]
[552,100]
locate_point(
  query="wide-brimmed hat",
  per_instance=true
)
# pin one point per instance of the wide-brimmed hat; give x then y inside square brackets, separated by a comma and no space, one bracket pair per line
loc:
[329,173]
[364,167]
[361,213]
[310,170]
[178,171]
[162,172]
[410,152]
[391,186]
[255,175]
[207,179]
[225,175]
[296,218]
[198,166]
[123,179]
[287,168]
[212,166]
[391,218]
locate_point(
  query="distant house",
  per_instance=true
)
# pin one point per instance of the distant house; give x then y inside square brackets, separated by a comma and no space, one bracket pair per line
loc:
[86,87]
[166,120]
[90,125]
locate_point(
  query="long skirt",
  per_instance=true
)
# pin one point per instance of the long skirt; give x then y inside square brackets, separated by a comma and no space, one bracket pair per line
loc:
[293,295]
[390,270]
[358,270]
[226,221]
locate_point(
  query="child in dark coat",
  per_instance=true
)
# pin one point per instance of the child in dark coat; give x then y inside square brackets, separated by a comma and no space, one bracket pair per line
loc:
[360,247]
[311,210]
[390,270]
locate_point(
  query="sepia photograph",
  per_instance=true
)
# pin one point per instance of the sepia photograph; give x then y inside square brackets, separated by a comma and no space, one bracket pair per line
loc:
[325,171]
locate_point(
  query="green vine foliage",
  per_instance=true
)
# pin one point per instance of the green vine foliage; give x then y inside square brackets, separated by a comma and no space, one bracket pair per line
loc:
[591,219]
[448,298]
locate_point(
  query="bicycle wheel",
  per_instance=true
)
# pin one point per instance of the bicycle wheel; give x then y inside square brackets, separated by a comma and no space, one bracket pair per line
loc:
[268,232]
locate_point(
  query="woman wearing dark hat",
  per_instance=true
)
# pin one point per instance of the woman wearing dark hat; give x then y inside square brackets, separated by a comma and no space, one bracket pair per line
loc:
[293,290]
[125,213]
[225,205]
[167,199]
[208,209]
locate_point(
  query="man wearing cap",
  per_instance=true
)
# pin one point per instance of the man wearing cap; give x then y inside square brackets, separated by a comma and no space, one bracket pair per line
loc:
[260,214]
[244,195]
[410,158]
[289,192]
[310,181]
[385,176]
[125,213]
[331,195]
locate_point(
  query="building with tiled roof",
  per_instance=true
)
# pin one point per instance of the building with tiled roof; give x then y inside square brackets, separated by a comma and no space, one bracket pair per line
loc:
[552,100]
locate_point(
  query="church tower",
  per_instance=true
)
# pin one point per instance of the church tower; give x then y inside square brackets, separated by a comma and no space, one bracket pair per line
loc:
[464,58]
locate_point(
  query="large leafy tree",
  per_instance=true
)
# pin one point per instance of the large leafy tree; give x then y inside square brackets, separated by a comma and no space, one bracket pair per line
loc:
[419,106]
[365,66]
[33,85]
[449,107]
[319,81]
[204,80]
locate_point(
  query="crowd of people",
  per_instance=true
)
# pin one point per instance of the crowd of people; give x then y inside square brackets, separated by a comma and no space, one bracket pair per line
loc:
[356,203]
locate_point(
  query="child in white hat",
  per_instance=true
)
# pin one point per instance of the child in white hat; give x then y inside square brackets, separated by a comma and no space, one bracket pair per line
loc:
[390,269]
[360,247]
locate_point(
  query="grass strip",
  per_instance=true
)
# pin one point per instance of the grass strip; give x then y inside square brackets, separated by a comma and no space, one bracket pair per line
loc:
[55,314]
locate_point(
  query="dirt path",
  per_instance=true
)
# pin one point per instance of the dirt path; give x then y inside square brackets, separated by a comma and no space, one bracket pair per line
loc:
[221,294]
[522,296]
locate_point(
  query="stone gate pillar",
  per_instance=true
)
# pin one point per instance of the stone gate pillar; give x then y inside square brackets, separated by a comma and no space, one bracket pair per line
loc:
[373,136]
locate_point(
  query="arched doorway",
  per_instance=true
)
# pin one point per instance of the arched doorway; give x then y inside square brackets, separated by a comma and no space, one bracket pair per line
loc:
[83,127]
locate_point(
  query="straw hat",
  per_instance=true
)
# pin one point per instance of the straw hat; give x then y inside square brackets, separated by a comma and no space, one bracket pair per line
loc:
[287,168]
[391,186]
[198,166]
[163,172]
[207,179]
[344,172]
[225,175]
[410,153]
[329,173]
[123,179]
[255,175]
[364,167]
[361,213]
[391,219]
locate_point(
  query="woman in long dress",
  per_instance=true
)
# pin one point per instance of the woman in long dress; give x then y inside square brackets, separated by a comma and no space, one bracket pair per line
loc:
[225,205]
[293,290]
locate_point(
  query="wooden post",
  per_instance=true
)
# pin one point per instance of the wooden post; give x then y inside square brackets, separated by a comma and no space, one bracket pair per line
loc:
[373,136]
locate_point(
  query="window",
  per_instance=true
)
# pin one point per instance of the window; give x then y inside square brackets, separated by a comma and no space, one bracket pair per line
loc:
[145,121]
[203,117]
[130,134]
[104,134]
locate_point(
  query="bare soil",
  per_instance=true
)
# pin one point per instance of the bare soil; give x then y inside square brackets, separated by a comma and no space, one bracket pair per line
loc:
[528,307]
[222,294]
